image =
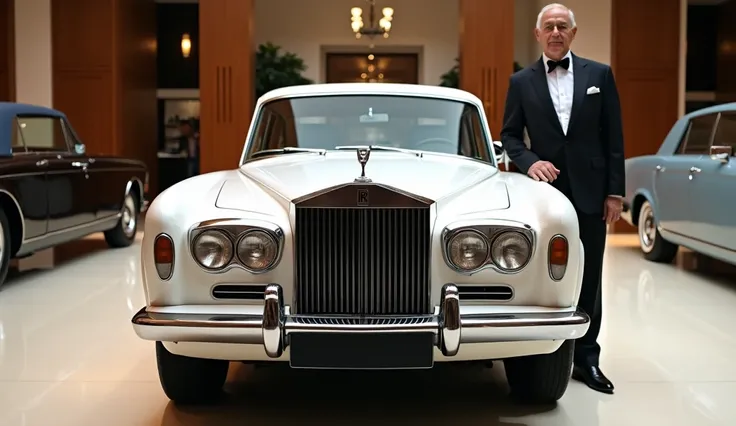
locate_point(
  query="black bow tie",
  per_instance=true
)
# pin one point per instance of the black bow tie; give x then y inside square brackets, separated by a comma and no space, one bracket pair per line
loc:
[565,63]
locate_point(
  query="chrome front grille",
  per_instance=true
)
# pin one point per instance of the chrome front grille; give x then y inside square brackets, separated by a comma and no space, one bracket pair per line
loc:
[362,261]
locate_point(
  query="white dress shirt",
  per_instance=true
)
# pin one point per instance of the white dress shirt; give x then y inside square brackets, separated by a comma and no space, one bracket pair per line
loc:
[561,83]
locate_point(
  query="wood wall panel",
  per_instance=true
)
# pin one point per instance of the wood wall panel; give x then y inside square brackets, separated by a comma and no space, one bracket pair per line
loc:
[136,84]
[82,62]
[104,74]
[487,54]
[645,52]
[227,90]
[7,50]
[726,62]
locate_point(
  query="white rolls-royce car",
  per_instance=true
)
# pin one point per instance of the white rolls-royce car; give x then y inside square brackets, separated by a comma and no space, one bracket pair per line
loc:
[366,226]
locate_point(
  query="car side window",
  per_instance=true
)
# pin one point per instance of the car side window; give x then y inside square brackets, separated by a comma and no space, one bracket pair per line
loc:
[481,142]
[726,130]
[42,134]
[698,136]
[269,134]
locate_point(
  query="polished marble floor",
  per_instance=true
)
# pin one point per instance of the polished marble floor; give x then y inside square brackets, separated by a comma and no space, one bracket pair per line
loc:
[69,357]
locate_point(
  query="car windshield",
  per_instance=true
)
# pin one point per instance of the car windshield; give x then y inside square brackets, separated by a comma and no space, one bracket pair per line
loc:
[387,121]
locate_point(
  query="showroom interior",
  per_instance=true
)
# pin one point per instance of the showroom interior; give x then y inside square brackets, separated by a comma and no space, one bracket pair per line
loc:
[173,84]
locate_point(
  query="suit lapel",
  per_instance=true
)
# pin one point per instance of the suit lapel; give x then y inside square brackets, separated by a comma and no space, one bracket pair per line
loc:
[539,81]
[580,77]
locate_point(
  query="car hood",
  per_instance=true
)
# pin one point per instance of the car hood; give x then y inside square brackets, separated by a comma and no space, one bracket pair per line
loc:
[293,176]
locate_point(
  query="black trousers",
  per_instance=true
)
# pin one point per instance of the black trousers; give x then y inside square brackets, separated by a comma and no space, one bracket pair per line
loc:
[593,237]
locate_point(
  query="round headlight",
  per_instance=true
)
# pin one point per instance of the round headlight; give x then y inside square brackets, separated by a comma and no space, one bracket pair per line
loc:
[468,250]
[257,250]
[511,250]
[213,249]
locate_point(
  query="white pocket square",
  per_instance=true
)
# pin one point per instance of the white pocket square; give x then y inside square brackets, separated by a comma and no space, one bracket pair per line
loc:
[592,90]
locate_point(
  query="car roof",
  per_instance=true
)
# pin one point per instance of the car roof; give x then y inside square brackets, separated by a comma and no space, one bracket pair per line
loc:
[396,89]
[9,110]
[731,106]
[16,108]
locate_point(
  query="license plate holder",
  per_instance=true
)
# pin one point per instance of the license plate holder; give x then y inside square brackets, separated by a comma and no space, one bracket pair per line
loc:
[361,351]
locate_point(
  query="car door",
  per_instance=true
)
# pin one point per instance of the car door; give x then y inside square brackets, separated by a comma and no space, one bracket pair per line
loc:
[67,180]
[104,176]
[713,192]
[673,177]
[24,178]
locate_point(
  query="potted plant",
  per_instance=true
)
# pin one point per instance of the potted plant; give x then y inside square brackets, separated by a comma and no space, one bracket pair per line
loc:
[452,77]
[275,69]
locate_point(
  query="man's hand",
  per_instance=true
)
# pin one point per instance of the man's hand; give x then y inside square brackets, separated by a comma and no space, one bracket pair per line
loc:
[544,171]
[612,208]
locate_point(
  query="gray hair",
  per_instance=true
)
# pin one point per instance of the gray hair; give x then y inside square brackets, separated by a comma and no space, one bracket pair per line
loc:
[553,6]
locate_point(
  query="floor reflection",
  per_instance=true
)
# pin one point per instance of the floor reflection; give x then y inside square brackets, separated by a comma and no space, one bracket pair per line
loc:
[463,395]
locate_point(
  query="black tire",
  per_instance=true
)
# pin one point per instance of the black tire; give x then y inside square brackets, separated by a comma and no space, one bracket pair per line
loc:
[653,246]
[5,247]
[540,379]
[188,380]
[123,234]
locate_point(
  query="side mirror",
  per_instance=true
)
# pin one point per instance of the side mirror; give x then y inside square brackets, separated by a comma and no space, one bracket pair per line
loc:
[500,153]
[80,148]
[721,153]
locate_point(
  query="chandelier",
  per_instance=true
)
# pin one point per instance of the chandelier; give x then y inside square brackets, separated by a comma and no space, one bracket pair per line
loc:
[384,24]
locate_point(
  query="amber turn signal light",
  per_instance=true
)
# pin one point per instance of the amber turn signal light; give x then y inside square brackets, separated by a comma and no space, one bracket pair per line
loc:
[558,257]
[163,256]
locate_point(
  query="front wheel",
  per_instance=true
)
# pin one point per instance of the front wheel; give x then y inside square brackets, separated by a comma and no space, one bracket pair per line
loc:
[541,379]
[188,380]
[654,247]
[123,234]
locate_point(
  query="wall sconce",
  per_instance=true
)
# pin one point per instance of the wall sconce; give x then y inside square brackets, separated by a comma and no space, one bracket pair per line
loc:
[186,45]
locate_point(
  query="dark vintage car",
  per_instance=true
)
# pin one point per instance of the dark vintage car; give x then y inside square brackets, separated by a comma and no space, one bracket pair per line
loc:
[52,192]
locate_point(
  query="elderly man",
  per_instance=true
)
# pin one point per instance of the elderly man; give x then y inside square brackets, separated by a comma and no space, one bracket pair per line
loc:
[570,108]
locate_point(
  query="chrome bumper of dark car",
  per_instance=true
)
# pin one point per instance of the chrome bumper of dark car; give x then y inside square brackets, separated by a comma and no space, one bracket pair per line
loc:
[275,327]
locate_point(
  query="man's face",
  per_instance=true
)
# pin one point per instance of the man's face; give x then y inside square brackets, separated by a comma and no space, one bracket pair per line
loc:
[556,34]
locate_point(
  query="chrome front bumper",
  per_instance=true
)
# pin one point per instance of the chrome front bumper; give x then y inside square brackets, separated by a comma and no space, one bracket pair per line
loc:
[273,327]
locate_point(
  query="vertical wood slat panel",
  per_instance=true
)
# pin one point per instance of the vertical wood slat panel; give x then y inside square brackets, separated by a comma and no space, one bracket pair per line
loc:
[487,54]
[645,53]
[227,67]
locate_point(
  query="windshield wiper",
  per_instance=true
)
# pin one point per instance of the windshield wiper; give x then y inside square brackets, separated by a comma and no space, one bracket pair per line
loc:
[287,150]
[382,148]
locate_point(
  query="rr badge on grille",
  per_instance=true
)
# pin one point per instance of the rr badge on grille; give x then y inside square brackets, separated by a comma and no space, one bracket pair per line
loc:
[363,197]
[363,155]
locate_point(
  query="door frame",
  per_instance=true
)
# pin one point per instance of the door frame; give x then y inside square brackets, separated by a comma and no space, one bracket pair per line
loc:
[324,50]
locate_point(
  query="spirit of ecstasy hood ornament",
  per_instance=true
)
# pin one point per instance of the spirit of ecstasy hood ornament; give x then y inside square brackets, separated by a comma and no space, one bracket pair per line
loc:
[363,155]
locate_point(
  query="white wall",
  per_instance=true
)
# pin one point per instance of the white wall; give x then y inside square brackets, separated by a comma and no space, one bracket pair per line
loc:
[33,74]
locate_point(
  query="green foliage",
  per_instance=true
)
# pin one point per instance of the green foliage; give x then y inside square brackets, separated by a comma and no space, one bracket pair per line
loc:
[275,69]
[452,77]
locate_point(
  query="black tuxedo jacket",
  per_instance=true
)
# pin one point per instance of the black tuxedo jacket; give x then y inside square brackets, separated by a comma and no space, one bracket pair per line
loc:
[591,154]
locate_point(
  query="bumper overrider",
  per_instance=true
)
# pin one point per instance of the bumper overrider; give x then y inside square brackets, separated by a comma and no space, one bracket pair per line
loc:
[276,329]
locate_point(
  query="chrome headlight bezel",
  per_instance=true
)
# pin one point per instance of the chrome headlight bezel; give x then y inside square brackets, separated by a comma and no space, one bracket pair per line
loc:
[235,230]
[223,238]
[491,230]
[511,233]
[266,235]
[472,233]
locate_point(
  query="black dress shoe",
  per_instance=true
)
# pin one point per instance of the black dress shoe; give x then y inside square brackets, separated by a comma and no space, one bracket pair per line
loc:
[593,377]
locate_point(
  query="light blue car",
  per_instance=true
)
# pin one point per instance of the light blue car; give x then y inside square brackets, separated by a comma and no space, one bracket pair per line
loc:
[685,194]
